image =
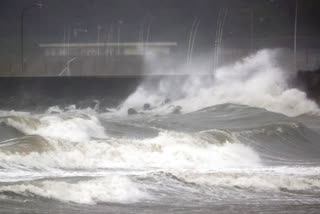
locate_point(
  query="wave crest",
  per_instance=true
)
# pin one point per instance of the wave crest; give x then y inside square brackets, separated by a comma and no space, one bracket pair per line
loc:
[113,189]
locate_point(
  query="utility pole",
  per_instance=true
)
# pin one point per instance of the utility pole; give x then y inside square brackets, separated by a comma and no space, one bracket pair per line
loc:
[22,15]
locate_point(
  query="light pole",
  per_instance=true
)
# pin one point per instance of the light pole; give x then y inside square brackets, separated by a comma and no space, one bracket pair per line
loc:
[24,10]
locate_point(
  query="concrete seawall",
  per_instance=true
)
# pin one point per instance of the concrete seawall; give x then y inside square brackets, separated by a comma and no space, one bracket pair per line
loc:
[39,93]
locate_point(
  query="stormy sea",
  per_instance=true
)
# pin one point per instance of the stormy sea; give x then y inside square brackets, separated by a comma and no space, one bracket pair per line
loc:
[241,140]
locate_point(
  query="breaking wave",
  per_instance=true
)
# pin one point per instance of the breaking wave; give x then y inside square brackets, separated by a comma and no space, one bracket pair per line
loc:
[211,151]
[257,81]
[167,150]
[112,189]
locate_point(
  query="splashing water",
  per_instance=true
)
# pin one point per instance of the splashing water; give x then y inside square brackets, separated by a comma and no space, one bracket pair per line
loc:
[257,81]
[223,157]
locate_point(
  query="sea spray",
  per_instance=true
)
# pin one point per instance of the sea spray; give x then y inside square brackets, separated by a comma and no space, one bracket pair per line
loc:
[257,80]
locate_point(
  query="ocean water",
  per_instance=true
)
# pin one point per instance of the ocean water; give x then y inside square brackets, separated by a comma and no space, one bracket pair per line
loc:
[239,141]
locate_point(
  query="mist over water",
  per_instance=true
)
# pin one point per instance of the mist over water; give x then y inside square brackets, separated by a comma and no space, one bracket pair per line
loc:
[234,142]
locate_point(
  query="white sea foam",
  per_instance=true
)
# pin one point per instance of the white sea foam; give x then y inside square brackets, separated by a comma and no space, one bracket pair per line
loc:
[170,150]
[116,189]
[72,127]
[71,142]
[257,81]
[258,181]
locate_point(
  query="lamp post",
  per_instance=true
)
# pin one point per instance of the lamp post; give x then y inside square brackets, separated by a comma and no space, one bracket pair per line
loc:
[23,12]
